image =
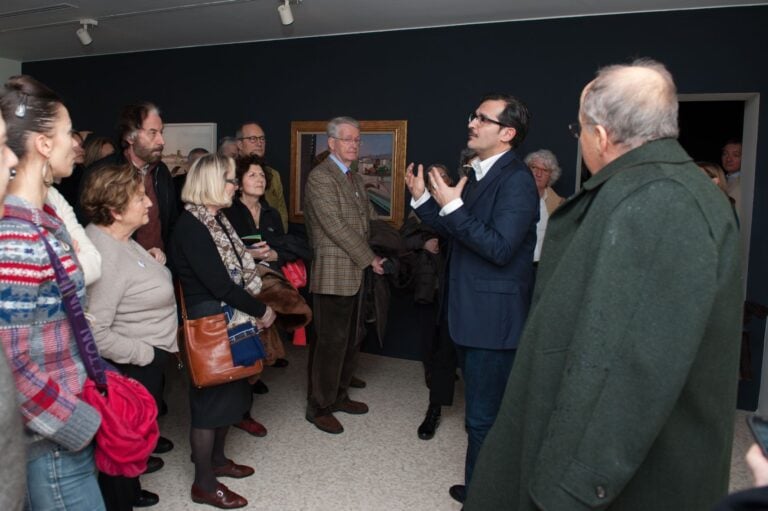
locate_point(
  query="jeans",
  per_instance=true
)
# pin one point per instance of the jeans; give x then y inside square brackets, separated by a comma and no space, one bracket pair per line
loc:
[485,378]
[62,480]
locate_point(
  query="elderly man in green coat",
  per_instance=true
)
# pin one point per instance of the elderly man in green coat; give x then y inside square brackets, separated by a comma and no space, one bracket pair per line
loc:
[623,392]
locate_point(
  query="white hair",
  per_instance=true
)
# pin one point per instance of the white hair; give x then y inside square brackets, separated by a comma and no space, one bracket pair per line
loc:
[332,128]
[548,161]
[635,103]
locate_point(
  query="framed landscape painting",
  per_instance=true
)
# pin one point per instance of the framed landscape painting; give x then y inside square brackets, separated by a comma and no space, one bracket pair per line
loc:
[381,164]
[180,138]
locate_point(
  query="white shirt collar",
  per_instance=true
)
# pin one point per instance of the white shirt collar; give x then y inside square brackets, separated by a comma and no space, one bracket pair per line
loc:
[481,168]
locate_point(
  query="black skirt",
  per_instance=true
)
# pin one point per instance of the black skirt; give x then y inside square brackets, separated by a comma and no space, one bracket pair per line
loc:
[219,406]
[222,405]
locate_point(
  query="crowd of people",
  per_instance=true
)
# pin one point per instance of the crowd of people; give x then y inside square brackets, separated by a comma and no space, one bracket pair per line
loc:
[597,336]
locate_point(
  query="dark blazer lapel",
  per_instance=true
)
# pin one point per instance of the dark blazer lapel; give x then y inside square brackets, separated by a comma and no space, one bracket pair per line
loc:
[490,177]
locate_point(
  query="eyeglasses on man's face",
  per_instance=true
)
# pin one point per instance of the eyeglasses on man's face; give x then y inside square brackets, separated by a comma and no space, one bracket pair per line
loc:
[483,119]
[254,139]
[577,127]
[350,141]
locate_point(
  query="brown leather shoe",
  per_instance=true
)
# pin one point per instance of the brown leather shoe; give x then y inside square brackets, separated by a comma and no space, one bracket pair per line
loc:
[357,383]
[253,427]
[232,469]
[222,497]
[349,406]
[326,422]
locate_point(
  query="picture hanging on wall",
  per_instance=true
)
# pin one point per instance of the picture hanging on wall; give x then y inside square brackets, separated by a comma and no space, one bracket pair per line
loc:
[181,138]
[381,164]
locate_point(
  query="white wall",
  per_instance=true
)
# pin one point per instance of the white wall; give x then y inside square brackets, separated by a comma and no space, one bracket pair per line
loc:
[8,68]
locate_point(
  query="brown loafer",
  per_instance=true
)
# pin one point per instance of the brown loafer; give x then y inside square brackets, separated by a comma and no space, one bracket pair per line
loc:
[253,427]
[222,497]
[352,407]
[326,422]
[232,469]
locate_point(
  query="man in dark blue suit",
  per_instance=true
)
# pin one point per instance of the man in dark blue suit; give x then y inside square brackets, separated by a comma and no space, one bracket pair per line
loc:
[490,217]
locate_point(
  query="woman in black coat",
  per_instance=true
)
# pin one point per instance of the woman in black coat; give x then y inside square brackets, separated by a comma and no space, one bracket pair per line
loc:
[214,269]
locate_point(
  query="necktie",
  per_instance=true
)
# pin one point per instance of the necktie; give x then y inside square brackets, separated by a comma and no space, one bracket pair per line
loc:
[351,182]
[469,188]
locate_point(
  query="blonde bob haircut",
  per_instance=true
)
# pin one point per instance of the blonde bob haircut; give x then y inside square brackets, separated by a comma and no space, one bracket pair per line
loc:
[206,181]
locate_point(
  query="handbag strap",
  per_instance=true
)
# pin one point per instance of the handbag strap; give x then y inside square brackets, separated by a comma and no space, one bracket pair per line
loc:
[89,352]
[180,296]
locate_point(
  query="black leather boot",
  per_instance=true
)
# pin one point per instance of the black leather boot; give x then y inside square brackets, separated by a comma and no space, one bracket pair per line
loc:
[431,421]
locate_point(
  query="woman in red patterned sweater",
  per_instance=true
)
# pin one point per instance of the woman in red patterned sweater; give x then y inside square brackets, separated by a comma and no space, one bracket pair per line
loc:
[34,329]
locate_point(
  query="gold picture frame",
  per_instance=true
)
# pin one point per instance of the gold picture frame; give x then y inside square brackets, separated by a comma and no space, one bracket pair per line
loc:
[381,164]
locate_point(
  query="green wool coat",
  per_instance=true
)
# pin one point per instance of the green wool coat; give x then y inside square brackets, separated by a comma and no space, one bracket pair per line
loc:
[623,391]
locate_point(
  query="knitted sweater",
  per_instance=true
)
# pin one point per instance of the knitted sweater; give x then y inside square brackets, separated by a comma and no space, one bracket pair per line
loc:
[133,305]
[35,331]
[88,257]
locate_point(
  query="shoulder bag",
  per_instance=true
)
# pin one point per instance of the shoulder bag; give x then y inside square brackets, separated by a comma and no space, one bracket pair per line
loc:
[208,347]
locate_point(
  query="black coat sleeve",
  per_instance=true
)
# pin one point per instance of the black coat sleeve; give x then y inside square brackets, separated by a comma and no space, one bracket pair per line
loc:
[201,271]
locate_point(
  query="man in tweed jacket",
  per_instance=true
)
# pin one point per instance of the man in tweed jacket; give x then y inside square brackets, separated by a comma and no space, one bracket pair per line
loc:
[337,214]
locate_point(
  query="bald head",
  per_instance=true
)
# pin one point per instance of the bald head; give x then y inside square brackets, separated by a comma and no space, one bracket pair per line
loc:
[635,103]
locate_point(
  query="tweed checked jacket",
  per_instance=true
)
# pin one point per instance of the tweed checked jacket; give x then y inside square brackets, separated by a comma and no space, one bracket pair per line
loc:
[337,215]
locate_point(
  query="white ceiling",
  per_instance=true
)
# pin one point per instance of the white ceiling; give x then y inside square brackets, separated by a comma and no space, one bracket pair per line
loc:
[33,30]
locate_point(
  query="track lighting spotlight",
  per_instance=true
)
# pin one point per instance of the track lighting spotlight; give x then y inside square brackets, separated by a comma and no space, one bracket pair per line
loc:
[285,12]
[82,32]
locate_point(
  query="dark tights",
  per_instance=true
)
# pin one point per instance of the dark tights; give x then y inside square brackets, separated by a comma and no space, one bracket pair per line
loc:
[207,452]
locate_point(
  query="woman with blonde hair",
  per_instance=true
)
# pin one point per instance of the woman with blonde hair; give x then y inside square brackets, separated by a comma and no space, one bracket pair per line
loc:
[215,269]
[716,173]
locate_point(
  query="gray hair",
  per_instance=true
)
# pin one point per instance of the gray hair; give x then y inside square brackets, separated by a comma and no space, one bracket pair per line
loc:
[132,118]
[196,153]
[548,161]
[227,140]
[332,128]
[635,103]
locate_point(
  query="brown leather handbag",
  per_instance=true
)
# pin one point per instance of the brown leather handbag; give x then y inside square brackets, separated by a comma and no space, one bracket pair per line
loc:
[206,352]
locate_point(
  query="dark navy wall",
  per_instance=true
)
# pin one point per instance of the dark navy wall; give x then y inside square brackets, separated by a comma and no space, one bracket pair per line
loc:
[432,78]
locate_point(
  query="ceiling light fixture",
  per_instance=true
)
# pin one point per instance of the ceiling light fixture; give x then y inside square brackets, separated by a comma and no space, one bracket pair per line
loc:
[82,32]
[284,10]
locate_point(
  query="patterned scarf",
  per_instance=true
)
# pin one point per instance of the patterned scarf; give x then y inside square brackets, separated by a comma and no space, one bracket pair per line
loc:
[239,263]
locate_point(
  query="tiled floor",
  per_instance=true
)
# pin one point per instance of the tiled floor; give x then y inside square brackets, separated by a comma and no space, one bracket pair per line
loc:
[378,463]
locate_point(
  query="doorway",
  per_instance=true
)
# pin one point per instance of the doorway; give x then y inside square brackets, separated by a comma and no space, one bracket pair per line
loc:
[707,121]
